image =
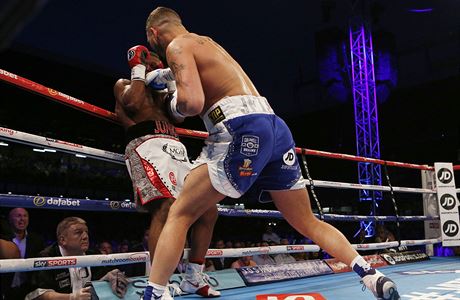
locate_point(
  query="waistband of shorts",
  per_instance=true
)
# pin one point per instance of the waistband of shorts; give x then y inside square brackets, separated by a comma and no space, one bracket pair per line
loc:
[150,127]
[235,106]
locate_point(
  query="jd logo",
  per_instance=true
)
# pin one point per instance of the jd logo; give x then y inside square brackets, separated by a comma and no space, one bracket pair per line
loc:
[448,201]
[444,175]
[450,228]
[289,157]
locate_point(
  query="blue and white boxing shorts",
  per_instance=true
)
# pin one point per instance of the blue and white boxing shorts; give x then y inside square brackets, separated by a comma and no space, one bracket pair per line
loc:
[248,147]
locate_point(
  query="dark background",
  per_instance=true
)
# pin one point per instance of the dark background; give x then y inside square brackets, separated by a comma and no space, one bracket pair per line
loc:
[296,52]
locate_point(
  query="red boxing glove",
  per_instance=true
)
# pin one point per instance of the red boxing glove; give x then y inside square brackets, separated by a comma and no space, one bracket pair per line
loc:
[138,55]
[155,62]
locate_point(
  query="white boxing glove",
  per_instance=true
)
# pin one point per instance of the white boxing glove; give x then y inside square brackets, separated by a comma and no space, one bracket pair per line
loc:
[175,114]
[159,78]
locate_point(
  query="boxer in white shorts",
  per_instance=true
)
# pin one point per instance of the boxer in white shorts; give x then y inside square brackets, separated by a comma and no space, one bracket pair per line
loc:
[157,162]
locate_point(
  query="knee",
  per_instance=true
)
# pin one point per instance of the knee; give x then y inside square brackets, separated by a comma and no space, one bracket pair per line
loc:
[210,216]
[179,214]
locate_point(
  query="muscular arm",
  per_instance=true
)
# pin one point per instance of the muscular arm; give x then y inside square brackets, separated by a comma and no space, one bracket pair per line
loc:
[190,92]
[8,250]
[52,295]
[130,95]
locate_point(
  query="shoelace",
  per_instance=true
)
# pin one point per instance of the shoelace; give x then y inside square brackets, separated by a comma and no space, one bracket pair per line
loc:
[205,277]
[174,289]
[363,288]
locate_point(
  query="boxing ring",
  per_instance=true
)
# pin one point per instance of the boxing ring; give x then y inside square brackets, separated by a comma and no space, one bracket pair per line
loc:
[426,278]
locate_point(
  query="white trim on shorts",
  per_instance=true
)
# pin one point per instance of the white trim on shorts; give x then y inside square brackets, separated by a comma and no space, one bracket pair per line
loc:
[219,138]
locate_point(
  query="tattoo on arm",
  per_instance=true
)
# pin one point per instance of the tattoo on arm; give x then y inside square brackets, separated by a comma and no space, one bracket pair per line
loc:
[177,70]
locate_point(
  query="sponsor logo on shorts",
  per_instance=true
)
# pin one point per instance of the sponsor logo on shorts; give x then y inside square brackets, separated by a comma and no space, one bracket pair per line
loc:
[162,127]
[308,296]
[55,262]
[249,145]
[245,169]
[289,160]
[172,178]
[214,252]
[177,153]
[39,201]
[216,115]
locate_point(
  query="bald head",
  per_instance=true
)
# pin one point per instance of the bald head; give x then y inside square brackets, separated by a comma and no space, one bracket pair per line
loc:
[162,16]
[19,219]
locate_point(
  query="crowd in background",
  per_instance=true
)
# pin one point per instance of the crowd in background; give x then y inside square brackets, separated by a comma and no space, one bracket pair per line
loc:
[15,229]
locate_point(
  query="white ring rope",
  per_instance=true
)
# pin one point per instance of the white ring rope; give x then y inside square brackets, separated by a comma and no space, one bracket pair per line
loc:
[72,148]
[358,186]
[42,263]
[36,140]
[61,262]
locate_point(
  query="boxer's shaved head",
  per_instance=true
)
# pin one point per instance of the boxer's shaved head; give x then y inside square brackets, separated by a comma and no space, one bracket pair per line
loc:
[162,15]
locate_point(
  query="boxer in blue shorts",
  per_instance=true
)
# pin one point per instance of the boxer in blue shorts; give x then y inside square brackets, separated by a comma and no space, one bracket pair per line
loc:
[248,147]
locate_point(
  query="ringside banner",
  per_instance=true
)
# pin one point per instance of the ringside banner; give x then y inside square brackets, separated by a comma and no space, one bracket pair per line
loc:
[448,204]
[271,273]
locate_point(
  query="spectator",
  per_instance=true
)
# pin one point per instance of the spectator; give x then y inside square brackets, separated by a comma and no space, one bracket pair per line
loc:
[123,247]
[105,247]
[270,236]
[383,234]
[221,263]
[264,259]
[138,269]
[245,261]
[17,285]
[73,240]
[284,258]
[361,237]
[209,265]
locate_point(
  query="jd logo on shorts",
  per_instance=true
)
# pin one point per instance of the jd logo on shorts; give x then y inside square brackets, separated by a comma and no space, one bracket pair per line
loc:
[448,201]
[445,175]
[216,115]
[289,157]
[450,228]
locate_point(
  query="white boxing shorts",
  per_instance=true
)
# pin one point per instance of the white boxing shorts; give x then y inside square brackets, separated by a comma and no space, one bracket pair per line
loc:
[249,148]
[157,161]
